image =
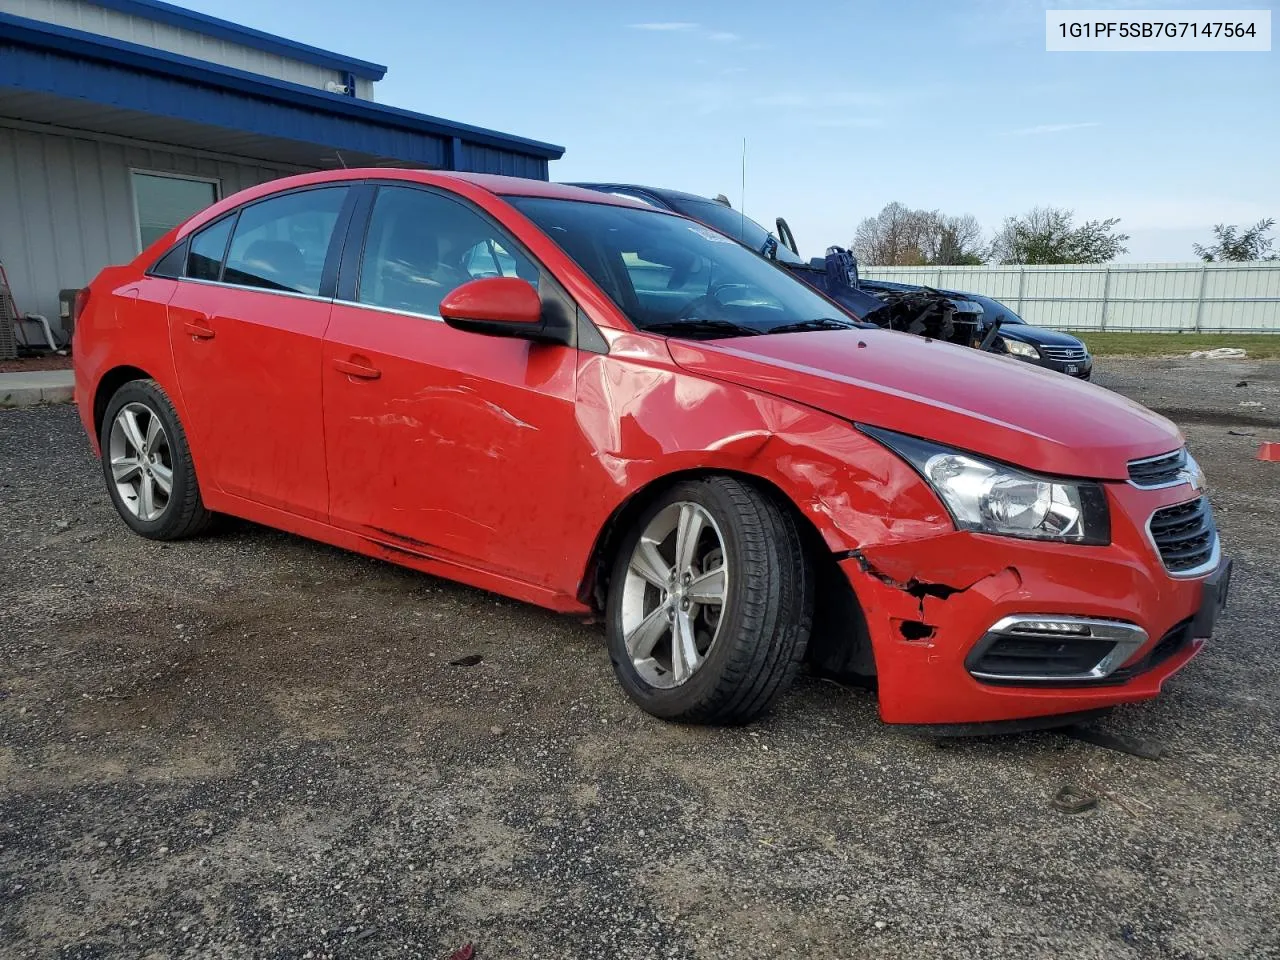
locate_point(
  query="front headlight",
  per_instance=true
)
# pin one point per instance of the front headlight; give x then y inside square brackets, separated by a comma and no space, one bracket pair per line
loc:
[1019,349]
[989,497]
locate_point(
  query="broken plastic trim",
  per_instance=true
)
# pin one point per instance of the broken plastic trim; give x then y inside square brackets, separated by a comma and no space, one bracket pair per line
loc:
[920,589]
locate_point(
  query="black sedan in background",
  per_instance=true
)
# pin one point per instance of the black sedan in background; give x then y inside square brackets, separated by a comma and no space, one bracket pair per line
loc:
[962,318]
[1043,347]
[1039,345]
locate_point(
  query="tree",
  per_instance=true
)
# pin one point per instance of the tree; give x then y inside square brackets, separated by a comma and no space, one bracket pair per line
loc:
[1049,235]
[1251,244]
[952,241]
[891,238]
[900,236]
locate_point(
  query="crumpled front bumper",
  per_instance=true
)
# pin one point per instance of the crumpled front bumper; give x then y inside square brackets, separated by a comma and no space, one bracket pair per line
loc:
[928,602]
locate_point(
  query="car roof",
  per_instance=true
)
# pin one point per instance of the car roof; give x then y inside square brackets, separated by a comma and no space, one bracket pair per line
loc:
[521,187]
[462,183]
[661,192]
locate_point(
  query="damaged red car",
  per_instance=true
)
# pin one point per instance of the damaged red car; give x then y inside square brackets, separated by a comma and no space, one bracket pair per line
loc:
[570,399]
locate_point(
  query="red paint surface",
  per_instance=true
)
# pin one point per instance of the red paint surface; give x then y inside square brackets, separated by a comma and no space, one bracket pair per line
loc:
[493,298]
[499,462]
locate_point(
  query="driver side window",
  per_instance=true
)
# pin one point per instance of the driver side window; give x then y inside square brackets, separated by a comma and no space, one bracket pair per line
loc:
[489,258]
[421,245]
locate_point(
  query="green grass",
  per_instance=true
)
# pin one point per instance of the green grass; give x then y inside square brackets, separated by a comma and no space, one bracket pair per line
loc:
[1260,346]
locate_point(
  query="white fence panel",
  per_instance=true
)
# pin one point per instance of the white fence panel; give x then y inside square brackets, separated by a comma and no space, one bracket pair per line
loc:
[1150,297]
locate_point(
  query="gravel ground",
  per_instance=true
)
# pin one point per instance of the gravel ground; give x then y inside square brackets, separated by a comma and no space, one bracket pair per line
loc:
[254,745]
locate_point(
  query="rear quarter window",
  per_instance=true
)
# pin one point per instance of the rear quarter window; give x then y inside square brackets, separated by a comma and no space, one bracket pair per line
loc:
[208,247]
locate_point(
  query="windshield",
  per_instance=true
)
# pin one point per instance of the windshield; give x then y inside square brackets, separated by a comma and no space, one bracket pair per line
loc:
[733,223]
[670,275]
[994,309]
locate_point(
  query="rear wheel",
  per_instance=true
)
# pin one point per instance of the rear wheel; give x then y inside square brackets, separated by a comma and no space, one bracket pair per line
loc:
[710,603]
[147,464]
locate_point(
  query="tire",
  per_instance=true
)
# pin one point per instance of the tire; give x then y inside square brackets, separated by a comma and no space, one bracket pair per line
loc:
[168,516]
[752,647]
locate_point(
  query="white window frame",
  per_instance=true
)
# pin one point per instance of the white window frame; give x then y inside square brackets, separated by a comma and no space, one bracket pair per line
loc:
[133,194]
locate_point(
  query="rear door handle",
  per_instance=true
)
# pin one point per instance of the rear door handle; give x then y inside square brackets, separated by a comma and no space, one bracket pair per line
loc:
[199,329]
[357,368]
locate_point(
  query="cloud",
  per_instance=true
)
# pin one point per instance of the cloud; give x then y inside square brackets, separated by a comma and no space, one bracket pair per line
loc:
[723,37]
[839,123]
[789,100]
[671,26]
[1052,128]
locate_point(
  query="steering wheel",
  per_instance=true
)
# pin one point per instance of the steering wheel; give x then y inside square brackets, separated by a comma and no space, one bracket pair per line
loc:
[690,310]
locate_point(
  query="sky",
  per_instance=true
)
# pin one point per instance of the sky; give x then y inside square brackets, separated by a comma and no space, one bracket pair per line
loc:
[844,106]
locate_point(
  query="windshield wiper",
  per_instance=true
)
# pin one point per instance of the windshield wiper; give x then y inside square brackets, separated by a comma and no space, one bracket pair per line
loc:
[821,323]
[723,328]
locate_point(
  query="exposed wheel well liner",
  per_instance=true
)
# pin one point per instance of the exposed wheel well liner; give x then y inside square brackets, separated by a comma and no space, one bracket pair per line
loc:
[111,381]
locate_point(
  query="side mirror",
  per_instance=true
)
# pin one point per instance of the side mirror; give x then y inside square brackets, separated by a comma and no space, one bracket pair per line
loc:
[497,306]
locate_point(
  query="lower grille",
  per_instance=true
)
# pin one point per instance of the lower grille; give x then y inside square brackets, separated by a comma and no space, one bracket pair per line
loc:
[1052,649]
[1186,536]
[1170,645]
[1070,354]
[1041,656]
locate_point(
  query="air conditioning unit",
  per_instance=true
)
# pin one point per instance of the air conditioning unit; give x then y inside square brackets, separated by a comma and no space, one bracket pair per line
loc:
[8,316]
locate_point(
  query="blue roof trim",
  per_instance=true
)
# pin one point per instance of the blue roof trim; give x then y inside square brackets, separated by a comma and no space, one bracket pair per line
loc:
[139,59]
[175,16]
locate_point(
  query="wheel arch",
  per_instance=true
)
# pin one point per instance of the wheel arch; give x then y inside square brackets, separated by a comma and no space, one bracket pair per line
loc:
[840,642]
[108,384]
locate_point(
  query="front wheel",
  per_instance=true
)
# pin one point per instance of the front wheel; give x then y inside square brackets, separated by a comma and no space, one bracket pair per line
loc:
[710,603]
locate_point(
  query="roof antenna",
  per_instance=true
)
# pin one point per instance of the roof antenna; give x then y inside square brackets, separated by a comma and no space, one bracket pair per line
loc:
[338,154]
[742,206]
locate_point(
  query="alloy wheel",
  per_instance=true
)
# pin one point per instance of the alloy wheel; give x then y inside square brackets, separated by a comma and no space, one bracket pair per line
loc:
[674,594]
[141,461]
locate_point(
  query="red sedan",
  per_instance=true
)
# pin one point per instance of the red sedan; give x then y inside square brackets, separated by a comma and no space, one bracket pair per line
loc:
[579,402]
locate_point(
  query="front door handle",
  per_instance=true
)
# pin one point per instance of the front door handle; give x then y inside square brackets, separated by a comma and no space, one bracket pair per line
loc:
[359,368]
[199,329]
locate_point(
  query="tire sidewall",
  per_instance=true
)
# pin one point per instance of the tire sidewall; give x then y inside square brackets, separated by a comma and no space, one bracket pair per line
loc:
[154,399]
[676,701]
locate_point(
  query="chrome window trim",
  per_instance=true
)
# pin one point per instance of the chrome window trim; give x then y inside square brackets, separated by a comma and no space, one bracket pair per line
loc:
[1127,637]
[391,310]
[242,286]
[1206,568]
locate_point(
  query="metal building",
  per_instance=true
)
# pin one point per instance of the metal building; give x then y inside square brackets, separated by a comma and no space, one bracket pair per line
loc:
[120,118]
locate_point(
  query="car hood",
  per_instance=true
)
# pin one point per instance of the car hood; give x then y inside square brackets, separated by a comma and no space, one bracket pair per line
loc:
[1039,335]
[993,405]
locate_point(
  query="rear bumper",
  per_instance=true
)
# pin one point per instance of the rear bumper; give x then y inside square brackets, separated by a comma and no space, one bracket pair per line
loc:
[930,604]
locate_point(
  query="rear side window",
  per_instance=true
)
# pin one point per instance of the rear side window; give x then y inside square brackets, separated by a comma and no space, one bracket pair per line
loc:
[172,263]
[282,243]
[421,245]
[207,249]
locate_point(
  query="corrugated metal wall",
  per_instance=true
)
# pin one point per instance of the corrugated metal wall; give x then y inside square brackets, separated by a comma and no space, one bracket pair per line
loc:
[1167,297]
[109,23]
[66,205]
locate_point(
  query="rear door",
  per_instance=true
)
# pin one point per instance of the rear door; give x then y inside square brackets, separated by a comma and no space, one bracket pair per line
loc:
[247,326]
[446,443]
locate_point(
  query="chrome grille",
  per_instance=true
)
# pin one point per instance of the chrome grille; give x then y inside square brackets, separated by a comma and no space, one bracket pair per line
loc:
[1186,536]
[1161,471]
[1068,354]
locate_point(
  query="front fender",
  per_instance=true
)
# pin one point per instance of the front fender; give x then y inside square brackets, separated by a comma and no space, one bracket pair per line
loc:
[646,421]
